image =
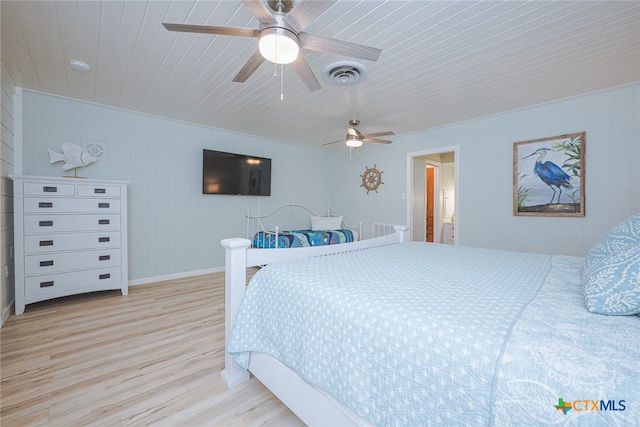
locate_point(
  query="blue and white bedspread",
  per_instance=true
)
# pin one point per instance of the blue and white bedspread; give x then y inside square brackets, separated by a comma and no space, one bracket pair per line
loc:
[302,238]
[427,334]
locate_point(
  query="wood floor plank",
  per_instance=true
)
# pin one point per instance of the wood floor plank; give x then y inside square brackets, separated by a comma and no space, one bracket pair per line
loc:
[152,357]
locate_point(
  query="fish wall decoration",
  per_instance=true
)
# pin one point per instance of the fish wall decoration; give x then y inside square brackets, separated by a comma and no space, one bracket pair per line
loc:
[72,155]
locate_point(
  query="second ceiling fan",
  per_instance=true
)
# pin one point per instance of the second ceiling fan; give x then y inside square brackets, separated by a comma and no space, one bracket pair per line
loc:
[281,36]
[355,138]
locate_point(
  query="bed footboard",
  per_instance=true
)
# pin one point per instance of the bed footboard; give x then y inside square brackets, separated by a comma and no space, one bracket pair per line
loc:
[235,279]
[239,256]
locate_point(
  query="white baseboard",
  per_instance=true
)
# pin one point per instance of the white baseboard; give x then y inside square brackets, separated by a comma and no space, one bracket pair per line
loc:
[174,276]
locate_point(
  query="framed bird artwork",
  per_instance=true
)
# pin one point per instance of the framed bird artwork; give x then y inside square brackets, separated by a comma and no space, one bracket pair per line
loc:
[548,176]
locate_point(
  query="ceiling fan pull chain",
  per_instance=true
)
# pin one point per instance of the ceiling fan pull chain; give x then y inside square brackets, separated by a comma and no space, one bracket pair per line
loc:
[275,74]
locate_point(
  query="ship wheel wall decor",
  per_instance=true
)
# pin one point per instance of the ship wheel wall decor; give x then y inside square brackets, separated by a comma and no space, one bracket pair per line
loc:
[371,179]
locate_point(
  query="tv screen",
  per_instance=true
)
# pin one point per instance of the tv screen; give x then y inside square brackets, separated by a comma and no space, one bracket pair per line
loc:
[230,173]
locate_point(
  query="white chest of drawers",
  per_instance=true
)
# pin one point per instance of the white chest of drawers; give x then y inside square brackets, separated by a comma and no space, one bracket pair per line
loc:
[70,237]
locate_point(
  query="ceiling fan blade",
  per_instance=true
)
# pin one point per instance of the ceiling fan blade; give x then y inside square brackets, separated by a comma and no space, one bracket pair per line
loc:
[331,45]
[302,69]
[260,11]
[376,134]
[306,12]
[381,141]
[212,29]
[333,142]
[249,67]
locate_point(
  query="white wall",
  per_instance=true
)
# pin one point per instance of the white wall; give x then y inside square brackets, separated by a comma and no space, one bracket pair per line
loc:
[352,200]
[173,227]
[484,212]
[419,200]
[7,156]
[176,229]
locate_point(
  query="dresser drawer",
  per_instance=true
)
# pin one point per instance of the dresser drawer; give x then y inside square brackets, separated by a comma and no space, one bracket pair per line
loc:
[57,223]
[98,191]
[80,280]
[67,261]
[52,205]
[449,233]
[70,241]
[47,189]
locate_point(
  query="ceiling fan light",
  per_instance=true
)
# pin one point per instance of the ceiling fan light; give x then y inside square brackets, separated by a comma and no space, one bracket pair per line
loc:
[353,141]
[279,45]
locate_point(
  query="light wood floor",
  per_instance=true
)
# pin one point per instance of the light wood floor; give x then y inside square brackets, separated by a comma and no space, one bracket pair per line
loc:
[150,358]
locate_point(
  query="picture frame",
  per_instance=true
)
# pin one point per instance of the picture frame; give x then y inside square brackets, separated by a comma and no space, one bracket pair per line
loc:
[549,176]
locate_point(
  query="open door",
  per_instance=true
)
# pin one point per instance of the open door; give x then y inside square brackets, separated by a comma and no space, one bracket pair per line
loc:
[430,188]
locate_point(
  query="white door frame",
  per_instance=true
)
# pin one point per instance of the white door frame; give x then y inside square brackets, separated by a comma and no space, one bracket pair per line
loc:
[410,186]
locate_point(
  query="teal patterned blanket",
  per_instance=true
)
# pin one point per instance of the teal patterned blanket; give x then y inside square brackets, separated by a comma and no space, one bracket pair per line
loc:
[301,238]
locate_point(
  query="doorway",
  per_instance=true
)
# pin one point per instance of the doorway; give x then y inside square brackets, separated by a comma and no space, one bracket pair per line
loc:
[432,181]
[432,171]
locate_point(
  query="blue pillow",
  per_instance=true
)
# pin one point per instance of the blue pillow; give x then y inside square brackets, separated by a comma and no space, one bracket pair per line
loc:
[612,285]
[624,234]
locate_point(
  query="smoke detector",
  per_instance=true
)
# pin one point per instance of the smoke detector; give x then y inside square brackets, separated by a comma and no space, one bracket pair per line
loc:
[79,66]
[344,73]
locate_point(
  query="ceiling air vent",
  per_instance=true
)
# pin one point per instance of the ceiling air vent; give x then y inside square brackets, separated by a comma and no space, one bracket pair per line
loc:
[344,73]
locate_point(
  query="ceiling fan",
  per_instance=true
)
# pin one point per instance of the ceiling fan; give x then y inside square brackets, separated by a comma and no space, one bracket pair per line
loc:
[281,36]
[355,138]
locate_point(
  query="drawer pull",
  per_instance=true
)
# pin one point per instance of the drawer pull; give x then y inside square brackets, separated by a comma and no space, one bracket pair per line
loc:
[103,205]
[45,223]
[46,284]
[46,263]
[103,239]
[105,276]
[99,190]
[45,204]
[49,189]
[46,242]
[104,257]
[103,221]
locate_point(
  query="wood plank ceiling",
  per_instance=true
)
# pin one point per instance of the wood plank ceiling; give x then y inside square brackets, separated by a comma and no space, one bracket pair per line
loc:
[441,62]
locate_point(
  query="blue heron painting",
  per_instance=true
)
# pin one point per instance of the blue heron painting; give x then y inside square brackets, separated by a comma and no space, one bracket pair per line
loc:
[548,176]
[551,174]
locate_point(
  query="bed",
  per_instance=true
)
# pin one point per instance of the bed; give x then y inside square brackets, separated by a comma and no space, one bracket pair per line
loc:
[360,336]
[305,228]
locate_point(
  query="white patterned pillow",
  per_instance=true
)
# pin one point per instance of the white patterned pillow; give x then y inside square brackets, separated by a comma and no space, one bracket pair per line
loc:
[624,234]
[326,223]
[612,285]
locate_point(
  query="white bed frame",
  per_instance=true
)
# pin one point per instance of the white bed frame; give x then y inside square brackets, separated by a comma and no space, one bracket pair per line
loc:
[255,223]
[312,405]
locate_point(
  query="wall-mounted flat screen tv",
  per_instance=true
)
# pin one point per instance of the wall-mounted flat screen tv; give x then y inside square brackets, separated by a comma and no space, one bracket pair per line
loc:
[239,174]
